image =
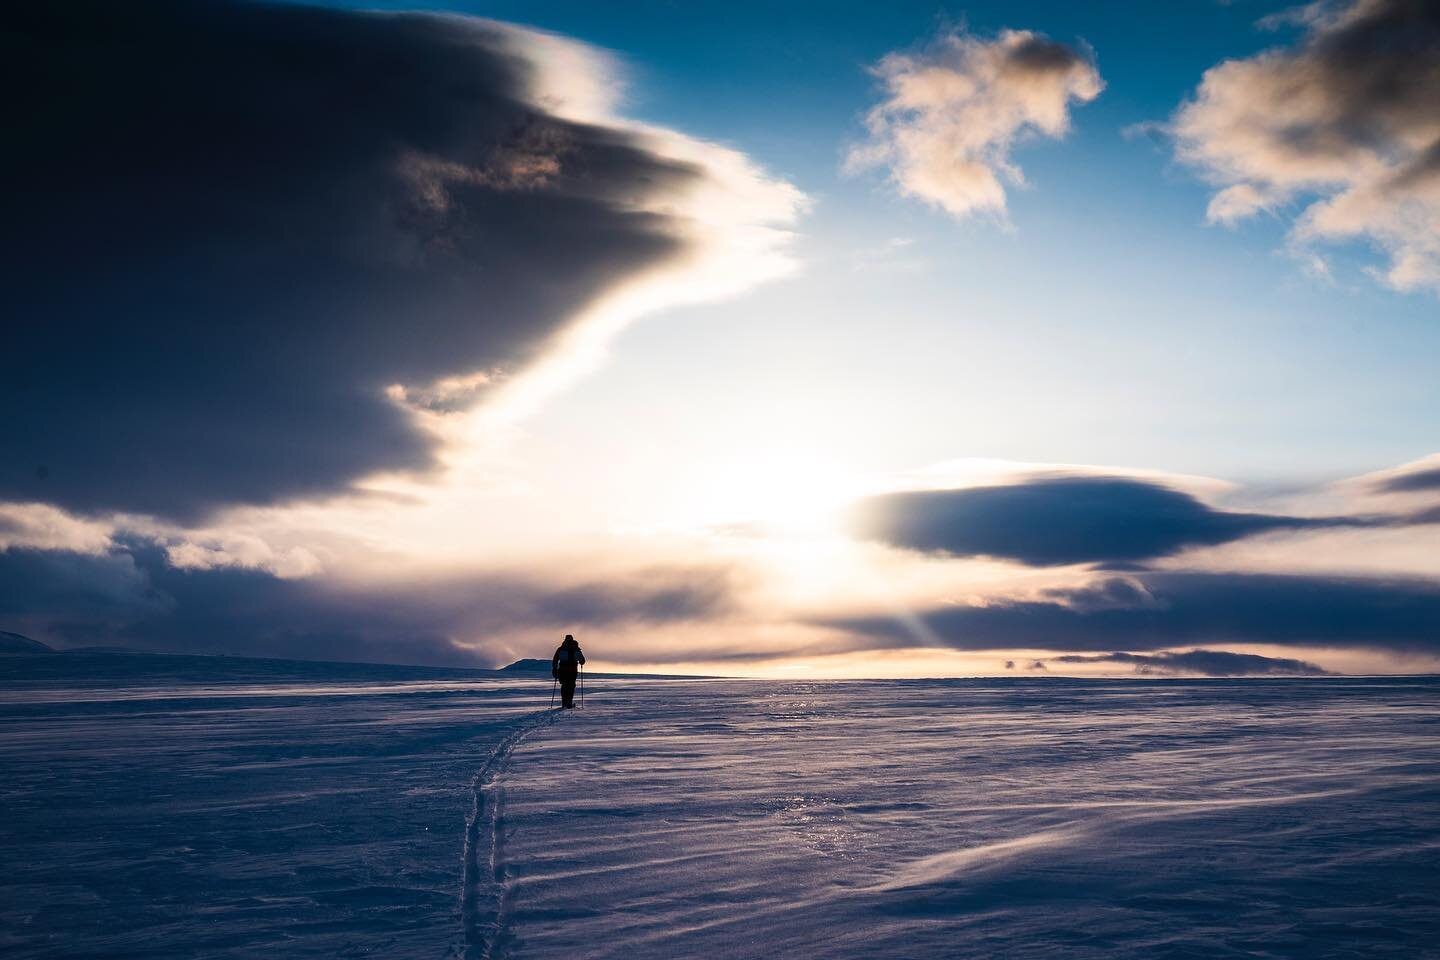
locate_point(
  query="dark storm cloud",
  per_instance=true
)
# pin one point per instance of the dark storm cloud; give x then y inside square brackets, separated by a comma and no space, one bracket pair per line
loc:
[1210,663]
[134,597]
[229,227]
[60,584]
[1062,520]
[1154,611]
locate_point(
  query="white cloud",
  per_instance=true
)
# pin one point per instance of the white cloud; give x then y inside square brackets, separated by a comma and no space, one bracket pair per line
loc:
[953,113]
[38,526]
[1345,121]
[242,551]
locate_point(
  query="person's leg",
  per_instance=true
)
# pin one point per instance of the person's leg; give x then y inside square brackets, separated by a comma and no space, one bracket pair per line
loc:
[567,692]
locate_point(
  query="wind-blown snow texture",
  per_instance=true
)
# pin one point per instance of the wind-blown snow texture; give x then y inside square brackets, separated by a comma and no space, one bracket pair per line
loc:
[355,811]
[191,807]
[985,819]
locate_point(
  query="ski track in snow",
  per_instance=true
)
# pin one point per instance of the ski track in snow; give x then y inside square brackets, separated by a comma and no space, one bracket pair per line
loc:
[485,899]
[180,807]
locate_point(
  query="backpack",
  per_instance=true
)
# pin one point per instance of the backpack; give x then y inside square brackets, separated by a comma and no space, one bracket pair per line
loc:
[567,660]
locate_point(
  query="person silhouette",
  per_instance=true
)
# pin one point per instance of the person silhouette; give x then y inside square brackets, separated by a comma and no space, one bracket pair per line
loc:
[564,666]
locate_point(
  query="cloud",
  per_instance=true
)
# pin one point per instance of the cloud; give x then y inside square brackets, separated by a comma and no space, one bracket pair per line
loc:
[1209,663]
[38,526]
[1155,611]
[1344,121]
[953,113]
[241,550]
[1064,519]
[1419,481]
[1422,476]
[248,233]
[135,596]
[69,588]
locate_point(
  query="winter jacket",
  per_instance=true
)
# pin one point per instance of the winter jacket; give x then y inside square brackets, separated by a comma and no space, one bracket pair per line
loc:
[567,661]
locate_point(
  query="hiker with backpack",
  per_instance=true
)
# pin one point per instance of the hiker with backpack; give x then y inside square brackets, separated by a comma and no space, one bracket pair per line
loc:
[564,666]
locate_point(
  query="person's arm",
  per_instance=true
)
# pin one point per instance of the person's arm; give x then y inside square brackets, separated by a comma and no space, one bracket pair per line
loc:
[555,664]
[580,655]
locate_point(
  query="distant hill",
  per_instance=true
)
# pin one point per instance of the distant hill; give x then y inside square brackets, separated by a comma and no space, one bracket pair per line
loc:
[14,645]
[529,665]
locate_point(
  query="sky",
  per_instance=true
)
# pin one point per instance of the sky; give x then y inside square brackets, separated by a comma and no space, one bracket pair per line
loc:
[759,339]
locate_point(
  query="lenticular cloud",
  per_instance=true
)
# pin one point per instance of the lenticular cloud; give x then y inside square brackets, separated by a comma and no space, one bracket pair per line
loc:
[952,114]
[1060,519]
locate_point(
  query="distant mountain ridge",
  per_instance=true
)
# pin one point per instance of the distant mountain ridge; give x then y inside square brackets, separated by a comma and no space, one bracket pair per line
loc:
[13,644]
[527,665]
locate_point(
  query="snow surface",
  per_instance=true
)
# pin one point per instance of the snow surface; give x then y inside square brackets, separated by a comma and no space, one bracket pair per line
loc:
[184,807]
[1253,818]
[189,807]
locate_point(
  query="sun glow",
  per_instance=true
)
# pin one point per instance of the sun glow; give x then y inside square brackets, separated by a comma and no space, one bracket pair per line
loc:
[779,493]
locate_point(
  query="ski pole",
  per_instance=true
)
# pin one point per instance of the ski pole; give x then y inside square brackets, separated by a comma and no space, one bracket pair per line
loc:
[554,682]
[582,686]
